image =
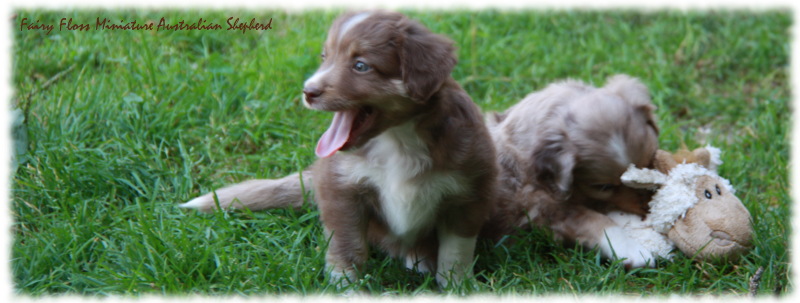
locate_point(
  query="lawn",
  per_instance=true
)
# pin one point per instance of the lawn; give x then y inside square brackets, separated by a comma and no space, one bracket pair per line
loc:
[122,125]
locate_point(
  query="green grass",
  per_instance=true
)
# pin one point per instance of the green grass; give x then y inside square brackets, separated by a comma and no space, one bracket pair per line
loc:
[134,122]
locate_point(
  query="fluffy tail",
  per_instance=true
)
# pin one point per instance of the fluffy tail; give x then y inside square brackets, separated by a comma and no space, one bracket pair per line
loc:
[259,194]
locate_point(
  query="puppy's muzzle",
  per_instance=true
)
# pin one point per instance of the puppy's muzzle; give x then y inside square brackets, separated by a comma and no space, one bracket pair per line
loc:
[311,93]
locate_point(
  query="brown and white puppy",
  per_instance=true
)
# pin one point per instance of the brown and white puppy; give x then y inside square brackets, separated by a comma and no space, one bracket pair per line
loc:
[404,164]
[562,151]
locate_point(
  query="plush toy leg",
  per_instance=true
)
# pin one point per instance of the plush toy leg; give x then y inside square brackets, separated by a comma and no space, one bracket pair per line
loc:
[593,229]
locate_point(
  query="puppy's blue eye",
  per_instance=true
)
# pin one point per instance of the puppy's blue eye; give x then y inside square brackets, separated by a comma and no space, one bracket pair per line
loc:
[360,67]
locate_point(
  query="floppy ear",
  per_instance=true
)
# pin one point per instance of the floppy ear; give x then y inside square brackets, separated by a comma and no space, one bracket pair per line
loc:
[553,162]
[426,59]
[636,94]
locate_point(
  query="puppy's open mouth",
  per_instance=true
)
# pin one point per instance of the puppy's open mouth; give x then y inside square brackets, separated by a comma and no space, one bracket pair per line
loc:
[346,127]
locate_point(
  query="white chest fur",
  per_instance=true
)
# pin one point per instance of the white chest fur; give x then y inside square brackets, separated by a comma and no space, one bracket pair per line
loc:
[398,165]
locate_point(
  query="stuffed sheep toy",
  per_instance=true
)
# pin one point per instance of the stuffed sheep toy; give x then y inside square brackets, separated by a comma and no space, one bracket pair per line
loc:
[693,208]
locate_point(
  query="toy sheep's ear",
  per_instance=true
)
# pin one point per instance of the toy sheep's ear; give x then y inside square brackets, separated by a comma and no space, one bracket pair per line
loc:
[707,157]
[664,162]
[643,178]
[714,159]
[702,157]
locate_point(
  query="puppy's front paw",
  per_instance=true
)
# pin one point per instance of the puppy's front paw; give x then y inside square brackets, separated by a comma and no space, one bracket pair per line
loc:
[619,246]
[421,265]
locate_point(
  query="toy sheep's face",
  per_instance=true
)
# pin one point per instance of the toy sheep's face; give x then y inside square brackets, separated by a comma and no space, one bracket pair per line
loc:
[693,205]
[718,225]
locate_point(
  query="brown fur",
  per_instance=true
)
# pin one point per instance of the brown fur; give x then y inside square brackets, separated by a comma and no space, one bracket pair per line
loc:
[444,119]
[413,119]
[257,194]
[561,152]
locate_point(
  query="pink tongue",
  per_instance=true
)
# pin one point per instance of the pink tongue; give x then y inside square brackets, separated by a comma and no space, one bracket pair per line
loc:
[337,134]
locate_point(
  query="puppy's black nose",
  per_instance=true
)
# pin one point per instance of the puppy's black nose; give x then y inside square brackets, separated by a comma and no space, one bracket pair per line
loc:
[311,93]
